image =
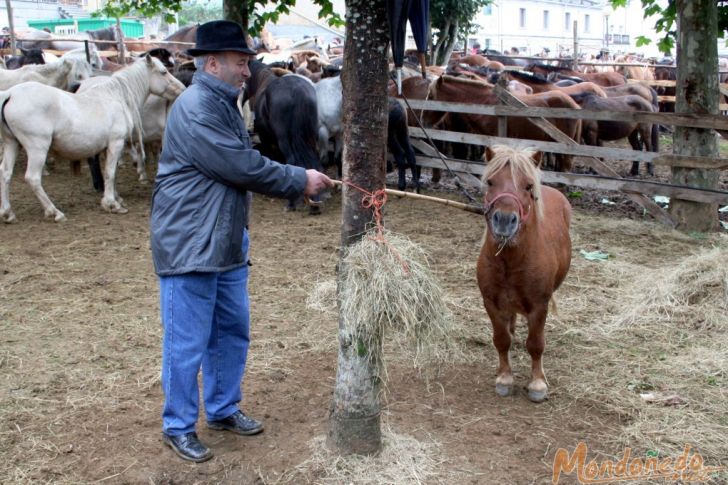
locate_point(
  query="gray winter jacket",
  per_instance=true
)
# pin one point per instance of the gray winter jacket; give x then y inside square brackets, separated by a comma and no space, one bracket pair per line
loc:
[200,203]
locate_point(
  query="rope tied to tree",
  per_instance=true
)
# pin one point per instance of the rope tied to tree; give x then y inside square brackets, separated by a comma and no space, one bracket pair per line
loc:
[375,201]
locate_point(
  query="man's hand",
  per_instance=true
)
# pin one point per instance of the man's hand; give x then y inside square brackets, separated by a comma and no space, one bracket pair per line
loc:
[316,182]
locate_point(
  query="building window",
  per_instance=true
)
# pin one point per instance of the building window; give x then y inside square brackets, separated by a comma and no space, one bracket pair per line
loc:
[586,23]
[545,20]
[567,20]
[522,18]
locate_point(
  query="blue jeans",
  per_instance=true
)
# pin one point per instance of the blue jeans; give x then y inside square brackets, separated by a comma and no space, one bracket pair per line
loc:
[206,322]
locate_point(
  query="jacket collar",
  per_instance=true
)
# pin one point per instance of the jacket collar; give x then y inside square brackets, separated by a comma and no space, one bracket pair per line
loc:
[217,86]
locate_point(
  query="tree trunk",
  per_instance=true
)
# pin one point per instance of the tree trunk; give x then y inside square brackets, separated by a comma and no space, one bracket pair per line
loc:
[11,26]
[450,41]
[696,92]
[441,39]
[120,39]
[354,426]
[237,11]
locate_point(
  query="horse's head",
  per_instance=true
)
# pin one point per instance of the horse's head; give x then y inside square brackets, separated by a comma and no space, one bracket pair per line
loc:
[161,81]
[512,188]
[77,70]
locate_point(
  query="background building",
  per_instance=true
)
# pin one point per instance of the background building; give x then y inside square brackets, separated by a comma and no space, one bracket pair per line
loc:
[535,25]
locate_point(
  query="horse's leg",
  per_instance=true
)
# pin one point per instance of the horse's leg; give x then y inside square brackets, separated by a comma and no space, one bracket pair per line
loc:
[636,145]
[503,326]
[140,161]
[94,166]
[110,201]
[535,343]
[10,153]
[33,174]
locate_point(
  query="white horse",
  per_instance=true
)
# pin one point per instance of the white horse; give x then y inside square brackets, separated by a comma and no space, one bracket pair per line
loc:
[96,61]
[154,120]
[329,99]
[62,75]
[77,126]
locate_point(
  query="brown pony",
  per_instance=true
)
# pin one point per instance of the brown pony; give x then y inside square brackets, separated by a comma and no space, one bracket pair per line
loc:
[525,257]
[540,84]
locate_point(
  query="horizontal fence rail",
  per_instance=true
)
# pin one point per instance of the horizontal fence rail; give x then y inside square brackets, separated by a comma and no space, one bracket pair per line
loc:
[717,122]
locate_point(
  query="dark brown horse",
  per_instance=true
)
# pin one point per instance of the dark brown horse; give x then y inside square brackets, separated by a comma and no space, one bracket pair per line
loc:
[459,90]
[524,258]
[553,73]
[638,134]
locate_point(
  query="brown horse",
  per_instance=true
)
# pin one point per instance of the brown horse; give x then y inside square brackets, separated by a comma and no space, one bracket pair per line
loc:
[459,90]
[638,134]
[553,73]
[525,257]
[540,84]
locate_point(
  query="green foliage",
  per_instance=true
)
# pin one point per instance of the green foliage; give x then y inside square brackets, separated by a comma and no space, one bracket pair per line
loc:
[461,11]
[199,12]
[666,23]
[143,8]
[258,20]
[195,12]
[452,20]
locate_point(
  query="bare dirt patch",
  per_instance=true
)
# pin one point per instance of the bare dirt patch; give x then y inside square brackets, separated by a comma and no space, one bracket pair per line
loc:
[80,349]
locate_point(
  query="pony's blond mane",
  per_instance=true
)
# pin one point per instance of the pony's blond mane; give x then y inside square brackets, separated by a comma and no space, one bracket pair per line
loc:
[521,162]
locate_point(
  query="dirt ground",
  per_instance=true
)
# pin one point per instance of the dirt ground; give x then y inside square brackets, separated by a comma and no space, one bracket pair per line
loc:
[80,342]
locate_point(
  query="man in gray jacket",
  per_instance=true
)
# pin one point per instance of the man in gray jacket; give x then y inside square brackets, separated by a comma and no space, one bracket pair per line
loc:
[200,242]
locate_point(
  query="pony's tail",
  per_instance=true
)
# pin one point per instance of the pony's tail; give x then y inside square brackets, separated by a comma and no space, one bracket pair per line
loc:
[554,309]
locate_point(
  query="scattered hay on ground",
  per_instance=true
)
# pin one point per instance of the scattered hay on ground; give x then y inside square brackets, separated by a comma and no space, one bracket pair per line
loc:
[656,345]
[402,460]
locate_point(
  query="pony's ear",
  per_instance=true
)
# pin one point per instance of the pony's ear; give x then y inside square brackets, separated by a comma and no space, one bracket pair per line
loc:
[538,158]
[488,154]
[149,59]
[23,51]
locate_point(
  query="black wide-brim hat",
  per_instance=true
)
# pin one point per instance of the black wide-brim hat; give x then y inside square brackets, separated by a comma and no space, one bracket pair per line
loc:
[220,36]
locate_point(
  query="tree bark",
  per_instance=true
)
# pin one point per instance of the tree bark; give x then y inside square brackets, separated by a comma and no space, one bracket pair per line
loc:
[237,11]
[441,38]
[354,420]
[452,38]
[120,38]
[697,92]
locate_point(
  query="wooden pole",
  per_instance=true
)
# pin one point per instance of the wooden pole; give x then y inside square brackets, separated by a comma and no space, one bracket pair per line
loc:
[576,46]
[437,200]
[11,25]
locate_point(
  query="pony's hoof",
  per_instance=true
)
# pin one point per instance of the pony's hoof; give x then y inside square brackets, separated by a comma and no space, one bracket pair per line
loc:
[314,210]
[119,210]
[537,396]
[9,218]
[60,217]
[503,390]
[144,181]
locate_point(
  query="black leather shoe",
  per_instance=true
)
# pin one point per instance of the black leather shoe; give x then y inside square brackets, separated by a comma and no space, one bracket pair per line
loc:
[188,447]
[238,423]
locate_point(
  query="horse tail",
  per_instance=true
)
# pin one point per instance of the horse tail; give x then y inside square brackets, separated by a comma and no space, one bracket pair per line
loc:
[302,136]
[4,98]
[655,137]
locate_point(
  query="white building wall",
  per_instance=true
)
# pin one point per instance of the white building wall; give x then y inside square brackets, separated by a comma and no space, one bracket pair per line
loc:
[28,10]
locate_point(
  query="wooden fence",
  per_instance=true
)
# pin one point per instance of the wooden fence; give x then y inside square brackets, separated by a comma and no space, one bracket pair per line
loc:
[607,178]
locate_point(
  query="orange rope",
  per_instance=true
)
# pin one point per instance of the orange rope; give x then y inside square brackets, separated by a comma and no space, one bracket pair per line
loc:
[375,201]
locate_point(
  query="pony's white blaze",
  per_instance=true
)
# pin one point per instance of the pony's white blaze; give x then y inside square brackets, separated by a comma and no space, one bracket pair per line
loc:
[41,119]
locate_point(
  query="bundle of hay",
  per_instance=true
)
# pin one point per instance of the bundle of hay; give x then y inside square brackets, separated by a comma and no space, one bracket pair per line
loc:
[389,286]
